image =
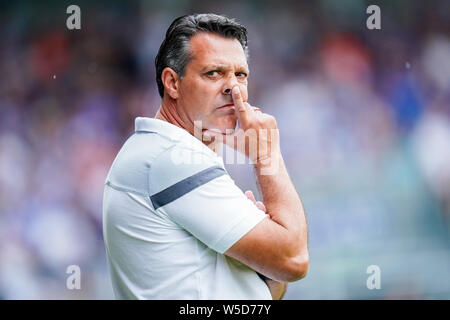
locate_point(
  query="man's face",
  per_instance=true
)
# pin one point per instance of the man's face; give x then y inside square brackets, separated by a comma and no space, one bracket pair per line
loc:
[218,64]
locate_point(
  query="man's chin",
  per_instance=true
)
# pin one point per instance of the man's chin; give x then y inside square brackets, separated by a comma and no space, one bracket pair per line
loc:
[223,131]
[225,128]
[219,127]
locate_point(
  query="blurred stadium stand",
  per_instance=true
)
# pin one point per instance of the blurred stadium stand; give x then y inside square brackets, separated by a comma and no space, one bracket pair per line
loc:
[364,117]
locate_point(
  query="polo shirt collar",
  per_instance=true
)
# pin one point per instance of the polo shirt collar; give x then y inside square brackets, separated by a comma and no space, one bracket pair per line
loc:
[167,129]
[156,125]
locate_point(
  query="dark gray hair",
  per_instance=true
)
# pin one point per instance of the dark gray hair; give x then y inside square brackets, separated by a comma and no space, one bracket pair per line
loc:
[174,51]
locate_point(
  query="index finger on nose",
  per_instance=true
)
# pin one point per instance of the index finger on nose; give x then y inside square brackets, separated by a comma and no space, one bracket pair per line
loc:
[240,108]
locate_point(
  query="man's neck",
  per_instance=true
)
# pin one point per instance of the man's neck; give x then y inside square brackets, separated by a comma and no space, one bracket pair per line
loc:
[169,113]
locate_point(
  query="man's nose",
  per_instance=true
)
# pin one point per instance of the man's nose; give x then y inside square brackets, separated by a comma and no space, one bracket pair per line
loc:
[231,82]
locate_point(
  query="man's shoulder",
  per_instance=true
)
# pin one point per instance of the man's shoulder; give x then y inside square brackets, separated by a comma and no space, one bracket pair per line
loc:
[158,155]
[166,146]
[164,136]
[183,159]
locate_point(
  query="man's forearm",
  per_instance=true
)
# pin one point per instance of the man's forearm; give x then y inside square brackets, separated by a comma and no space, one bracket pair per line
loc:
[281,199]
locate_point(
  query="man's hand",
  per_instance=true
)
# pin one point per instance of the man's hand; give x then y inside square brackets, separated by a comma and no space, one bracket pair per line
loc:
[259,131]
[259,204]
[277,288]
[257,135]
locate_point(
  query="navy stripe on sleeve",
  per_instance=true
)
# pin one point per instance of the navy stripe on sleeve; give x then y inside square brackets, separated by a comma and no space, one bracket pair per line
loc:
[186,185]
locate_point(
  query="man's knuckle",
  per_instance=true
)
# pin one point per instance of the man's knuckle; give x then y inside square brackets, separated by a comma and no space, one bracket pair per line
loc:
[272,121]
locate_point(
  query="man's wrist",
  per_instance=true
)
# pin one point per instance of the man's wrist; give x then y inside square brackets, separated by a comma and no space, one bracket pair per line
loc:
[267,165]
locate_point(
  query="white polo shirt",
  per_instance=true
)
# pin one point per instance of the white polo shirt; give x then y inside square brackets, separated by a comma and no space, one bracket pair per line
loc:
[170,211]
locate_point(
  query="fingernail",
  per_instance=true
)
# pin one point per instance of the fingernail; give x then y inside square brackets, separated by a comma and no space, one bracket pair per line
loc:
[236,90]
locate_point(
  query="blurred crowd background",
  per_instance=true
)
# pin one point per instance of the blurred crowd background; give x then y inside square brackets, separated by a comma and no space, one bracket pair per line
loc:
[364,118]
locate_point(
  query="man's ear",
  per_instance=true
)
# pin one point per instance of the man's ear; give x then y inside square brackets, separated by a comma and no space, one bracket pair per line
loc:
[171,82]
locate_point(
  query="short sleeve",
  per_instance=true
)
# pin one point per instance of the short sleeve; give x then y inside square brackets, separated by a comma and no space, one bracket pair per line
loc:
[203,199]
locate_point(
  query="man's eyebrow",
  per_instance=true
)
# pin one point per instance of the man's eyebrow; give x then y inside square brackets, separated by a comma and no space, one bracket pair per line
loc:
[213,66]
[222,67]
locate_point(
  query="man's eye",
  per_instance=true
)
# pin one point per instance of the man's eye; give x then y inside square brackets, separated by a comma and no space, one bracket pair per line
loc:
[241,74]
[212,73]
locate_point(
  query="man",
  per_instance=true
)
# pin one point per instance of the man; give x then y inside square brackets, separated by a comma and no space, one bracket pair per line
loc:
[179,228]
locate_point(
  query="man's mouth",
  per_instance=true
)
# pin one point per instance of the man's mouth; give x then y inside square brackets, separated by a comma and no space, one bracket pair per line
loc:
[230,105]
[213,131]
